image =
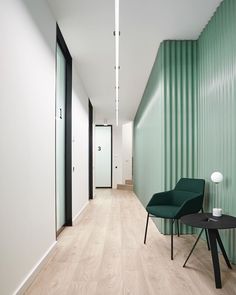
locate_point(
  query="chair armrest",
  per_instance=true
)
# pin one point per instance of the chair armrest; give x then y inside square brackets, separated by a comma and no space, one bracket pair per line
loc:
[163,198]
[190,206]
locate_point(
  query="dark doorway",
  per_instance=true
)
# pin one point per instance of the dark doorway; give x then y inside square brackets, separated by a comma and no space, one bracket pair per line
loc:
[63,156]
[90,150]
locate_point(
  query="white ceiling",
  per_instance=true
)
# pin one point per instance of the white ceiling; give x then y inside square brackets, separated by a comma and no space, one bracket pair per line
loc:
[88,25]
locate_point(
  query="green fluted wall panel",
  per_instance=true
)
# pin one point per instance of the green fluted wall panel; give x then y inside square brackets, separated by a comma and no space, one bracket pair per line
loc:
[164,126]
[191,94]
[179,114]
[148,136]
[180,110]
[217,112]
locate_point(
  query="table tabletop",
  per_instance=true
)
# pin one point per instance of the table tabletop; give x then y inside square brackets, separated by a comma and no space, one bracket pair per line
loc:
[208,221]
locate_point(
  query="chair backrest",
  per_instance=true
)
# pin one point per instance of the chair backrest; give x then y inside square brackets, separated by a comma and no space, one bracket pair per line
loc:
[191,185]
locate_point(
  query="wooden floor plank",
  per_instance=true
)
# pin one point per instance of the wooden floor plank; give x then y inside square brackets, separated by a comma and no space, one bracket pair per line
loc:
[104,254]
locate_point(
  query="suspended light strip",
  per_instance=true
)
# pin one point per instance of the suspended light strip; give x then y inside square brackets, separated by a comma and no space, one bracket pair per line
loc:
[117,117]
[117,35]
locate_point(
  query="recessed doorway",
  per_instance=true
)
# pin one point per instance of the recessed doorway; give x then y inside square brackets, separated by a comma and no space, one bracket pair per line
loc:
[103,156]
[63,134]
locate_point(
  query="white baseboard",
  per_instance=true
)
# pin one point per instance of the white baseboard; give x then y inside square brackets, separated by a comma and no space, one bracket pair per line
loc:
[33,273]
[78,214]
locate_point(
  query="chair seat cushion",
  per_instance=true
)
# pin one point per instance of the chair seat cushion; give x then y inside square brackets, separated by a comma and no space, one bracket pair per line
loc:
[163,211]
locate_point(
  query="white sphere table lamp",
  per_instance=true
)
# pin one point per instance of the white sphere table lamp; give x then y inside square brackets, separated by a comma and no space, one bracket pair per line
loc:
[216,177]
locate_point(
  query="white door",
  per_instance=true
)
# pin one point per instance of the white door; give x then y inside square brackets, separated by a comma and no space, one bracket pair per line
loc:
[103,156]
[60,137]
[127,150]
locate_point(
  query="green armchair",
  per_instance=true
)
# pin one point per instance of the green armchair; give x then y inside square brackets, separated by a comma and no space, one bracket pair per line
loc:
[185,198]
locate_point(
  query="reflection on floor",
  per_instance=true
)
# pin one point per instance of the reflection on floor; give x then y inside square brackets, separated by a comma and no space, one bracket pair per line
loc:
[104,254]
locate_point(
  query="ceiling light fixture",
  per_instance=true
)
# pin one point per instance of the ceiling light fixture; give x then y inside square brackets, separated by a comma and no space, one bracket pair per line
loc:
[117,67]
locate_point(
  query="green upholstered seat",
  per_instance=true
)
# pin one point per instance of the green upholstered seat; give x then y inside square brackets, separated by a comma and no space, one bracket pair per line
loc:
[185,198]
[163,211]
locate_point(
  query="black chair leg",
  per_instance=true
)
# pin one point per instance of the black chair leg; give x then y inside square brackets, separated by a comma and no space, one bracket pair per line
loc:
[145,236]
[177,220]
[171,231]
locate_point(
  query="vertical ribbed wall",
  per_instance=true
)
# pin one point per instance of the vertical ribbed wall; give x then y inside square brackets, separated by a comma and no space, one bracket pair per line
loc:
[191,94]
[179,114]
[148,136]
[164,126]
[217,112]
[179,110]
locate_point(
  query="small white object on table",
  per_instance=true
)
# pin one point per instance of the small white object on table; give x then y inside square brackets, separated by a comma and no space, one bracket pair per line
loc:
[217,212]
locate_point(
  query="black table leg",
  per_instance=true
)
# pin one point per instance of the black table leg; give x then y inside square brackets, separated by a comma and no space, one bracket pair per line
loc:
[207,239]
[214,254]
[223,249]
[208,245]
[193,248]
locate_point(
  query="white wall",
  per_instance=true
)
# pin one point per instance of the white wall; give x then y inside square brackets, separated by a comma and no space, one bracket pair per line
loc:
[79,145]
[127,150]
[27,147]
[117,155]
[27,144]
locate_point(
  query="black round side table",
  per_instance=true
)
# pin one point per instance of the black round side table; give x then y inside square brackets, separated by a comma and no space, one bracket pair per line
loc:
[212,224]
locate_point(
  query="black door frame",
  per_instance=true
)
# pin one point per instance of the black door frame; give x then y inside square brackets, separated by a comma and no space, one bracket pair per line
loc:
[111,155]
[90,150]
[68,129]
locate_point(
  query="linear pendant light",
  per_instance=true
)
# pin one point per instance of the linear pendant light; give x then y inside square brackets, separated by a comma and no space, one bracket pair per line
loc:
[117,35]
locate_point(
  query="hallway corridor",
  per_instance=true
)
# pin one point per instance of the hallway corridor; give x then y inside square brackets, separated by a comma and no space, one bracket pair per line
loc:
[104,254]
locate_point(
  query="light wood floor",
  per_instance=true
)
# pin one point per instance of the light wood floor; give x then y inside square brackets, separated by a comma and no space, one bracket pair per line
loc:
[104,254]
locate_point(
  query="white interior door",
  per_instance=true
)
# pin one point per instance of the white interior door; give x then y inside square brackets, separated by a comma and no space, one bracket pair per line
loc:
[60,137]
[127,150]
[103,156]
